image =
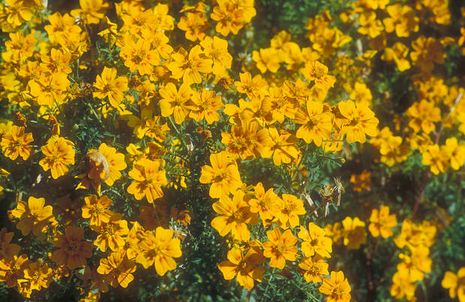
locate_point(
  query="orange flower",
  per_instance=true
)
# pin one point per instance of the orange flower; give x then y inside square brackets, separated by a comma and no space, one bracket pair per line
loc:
[72,250]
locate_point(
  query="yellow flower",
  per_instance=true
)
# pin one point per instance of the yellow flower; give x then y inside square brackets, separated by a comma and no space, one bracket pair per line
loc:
[246,139]
[149,176]
[91,11]
[49,90]
[232,15]
[245,265]
[190,67]
[313,269]
[194,24]
[112,234]
[393,151]
[175,102]
[336,288]
[264,203]
[109,85]
[354,232]
[280,247]
[402,286]
[413,235]
[59,154]
[423,115]
[359,121]
[455,283]
[158,248]
[252,86]
[37,275]
[72,251]
[96,209]
[217,50]
[206,106]
[33,216]
[17,143]
[316,123]
[139,55]
[435,158]
[417,264]
[399,54]
[315,241]
[234,215]
[223,175]
[381,223]
[401,19]
[455,153]
[369,25]
[290,208]
[266,59]
[282,147]
[117,269]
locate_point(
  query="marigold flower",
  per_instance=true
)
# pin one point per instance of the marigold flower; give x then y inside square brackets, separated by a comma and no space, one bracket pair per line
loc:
[17,143]
[190,67]
[149,177]
[112,234]
[455,283]
[109,85]
[72,251]
[336,288]
[245,265]
[158,248]
[423,115]
[223,175]
[117,269]
[354,232]
[37,275]
[381,223]
[91,11]
[314,269]
[217,50]
[359,121]
[455,153]
[139,55]
[96,209]
[59,154]
[175,102]
[264,203]
[416,265]
[435,158]
[11,270]
[401,19]
[206,106]
[7,249]
[290,208]
[316,123]
[232,15]
[266,59]
[234,215]
[402,287]
[33,216]
[280,247]
[315,241]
